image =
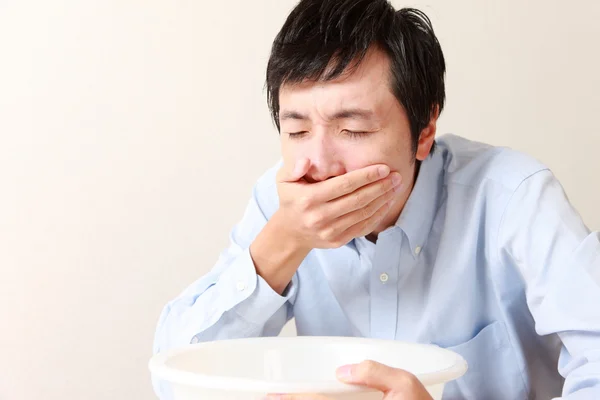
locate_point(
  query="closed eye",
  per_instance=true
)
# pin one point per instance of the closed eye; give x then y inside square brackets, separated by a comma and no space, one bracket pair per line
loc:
[296,135]
[355,134]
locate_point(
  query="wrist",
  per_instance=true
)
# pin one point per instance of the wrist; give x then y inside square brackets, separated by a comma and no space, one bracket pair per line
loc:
[282,231]
[277,253]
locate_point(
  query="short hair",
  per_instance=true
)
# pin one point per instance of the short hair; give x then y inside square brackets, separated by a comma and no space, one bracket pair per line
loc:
[322,38]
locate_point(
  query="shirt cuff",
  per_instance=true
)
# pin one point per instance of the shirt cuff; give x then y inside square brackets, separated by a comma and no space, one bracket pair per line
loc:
[250,295]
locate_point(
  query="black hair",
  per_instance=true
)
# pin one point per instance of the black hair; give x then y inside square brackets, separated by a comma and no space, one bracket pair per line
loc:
[323,38]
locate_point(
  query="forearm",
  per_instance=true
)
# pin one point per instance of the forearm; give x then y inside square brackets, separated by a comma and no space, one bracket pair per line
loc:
[579,363]
[559,258]
[277,254]
[228,303]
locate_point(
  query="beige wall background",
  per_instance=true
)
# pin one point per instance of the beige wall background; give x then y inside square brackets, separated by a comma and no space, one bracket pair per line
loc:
[131,133]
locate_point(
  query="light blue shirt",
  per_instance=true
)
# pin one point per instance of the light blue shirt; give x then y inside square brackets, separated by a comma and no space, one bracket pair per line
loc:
[488,259]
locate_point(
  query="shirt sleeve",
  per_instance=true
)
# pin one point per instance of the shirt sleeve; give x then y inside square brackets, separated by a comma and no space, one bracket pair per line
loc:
[559,259]
[231,301]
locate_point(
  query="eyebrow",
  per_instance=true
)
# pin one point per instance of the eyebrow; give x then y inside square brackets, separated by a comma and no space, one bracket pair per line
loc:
[350,113]
[292,115]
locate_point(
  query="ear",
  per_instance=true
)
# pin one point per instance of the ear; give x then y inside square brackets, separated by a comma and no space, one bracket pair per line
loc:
[427,136]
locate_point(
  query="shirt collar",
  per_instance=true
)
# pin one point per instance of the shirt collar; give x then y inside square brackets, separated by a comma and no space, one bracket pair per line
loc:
[416,219]
[364,247]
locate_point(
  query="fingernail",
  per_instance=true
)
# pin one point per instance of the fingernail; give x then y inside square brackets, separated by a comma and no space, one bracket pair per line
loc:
[384,171]
[344,373]
[396,179]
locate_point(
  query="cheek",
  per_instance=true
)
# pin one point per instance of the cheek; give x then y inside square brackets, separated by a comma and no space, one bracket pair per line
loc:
[287,151]
[381,151]
[361,155]
[290,151]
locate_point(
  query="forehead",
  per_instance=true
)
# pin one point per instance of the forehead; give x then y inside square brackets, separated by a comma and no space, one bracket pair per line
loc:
[366,86]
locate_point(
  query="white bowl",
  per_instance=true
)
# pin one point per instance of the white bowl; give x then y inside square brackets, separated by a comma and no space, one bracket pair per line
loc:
[248,369]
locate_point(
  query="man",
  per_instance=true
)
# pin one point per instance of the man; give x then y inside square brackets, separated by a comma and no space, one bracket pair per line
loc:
[371,228]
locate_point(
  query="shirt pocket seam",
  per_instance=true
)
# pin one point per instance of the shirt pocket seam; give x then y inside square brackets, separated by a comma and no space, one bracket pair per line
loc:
[500,338]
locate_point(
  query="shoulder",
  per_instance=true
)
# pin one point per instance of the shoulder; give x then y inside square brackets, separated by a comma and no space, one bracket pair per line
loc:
[475,164]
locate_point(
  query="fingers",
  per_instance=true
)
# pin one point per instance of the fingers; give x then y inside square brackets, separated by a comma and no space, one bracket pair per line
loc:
[395,383]
[365,224]
[348,183]
[294,172]
[359,220]
[364,196]
[378,376]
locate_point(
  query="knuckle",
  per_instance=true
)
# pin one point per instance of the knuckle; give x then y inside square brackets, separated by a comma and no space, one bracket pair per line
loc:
[367,370]
[370,366]
[366,212]
[378,215]
[305,202]
[322,237]
[313,220]
[337,235]
[327,237]
[373,219]
[410,381]
[382,208]
[337,243]
[405,380]
[359,198]
[347,185]
[386,185]
[390,195]
[329,234]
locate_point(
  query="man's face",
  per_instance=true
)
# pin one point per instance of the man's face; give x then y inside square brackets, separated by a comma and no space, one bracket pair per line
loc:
[349,123]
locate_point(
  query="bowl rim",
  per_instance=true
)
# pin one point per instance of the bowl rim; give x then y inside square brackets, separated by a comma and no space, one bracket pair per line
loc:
[159,368]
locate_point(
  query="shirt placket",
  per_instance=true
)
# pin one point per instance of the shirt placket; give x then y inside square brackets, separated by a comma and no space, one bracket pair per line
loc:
[384,286]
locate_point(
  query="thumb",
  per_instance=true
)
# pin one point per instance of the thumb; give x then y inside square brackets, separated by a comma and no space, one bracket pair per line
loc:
[374,375]
[300,168]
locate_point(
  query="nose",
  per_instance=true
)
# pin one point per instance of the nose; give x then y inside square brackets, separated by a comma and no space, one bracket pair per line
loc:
[325,159]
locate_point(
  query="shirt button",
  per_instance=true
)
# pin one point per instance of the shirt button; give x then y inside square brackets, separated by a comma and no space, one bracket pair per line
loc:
[418,250]
[383,277]
[241,286]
